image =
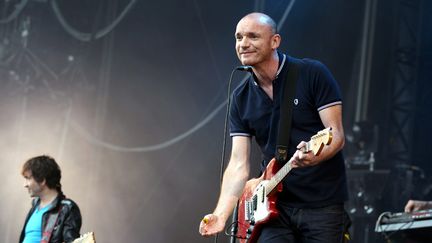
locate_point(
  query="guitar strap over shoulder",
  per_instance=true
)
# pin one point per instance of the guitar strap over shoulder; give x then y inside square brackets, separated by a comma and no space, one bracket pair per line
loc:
[285,120]
[51,222]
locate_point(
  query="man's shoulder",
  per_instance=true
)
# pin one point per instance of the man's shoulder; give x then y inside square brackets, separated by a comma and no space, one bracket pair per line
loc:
[312,68]
[312,64]
[68,203]
[307,63]
[243,87]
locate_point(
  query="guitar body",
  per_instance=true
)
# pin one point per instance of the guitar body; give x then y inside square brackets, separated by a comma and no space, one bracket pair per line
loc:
[255,209]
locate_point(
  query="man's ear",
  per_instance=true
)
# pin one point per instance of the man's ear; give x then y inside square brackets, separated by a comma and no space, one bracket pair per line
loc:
[275,42]
[43,182]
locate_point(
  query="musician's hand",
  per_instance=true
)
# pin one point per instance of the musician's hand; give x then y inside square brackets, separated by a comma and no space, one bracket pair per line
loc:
[414,205]
[210,225]
[302,159]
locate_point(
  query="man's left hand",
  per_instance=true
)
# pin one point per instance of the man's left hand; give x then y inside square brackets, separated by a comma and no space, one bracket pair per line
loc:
[303,159]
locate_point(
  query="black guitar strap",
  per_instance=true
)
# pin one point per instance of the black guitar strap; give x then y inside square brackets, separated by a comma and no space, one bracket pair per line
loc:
[286,109]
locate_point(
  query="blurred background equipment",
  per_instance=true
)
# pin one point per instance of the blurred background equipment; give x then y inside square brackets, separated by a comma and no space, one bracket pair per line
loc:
[366,192]
[362,145]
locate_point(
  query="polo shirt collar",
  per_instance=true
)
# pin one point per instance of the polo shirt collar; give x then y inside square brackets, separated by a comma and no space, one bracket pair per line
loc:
[282,59]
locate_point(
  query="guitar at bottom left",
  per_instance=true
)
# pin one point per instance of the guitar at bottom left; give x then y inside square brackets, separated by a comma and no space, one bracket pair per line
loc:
[86,238]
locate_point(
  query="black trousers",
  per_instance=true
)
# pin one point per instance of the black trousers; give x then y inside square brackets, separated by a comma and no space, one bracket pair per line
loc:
[317,225]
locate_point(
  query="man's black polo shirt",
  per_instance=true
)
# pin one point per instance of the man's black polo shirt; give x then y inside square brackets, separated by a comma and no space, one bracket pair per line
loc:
[254,114]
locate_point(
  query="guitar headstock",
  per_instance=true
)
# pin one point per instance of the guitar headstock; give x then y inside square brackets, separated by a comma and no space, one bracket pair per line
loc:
[317,142]
[86,238]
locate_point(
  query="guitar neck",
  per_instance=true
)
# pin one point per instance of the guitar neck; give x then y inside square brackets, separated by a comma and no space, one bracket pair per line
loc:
[278,177]
[315,144]
[274,181]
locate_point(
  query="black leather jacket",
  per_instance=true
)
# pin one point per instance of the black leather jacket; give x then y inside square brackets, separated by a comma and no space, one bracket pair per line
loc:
[68,223]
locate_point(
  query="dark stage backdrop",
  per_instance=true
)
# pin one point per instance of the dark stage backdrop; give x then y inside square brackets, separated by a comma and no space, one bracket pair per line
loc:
[134,113]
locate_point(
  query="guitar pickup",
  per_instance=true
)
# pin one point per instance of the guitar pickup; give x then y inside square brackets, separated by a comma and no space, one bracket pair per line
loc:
[248,210]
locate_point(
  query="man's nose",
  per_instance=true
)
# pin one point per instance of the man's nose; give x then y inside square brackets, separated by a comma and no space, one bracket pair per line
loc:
[244,42]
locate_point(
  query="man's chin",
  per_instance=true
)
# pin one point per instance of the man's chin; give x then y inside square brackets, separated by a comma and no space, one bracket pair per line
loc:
[249,61]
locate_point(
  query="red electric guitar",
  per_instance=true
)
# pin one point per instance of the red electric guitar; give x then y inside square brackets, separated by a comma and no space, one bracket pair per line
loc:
[258,207]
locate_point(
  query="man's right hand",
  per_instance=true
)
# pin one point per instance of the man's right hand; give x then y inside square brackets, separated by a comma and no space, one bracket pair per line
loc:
[414,205]
[210,225]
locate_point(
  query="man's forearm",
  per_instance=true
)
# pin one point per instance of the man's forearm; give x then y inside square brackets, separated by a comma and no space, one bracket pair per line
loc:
[232,188]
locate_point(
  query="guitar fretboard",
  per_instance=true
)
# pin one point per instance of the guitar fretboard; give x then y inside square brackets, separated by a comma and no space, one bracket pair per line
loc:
[278,177]
[315,144]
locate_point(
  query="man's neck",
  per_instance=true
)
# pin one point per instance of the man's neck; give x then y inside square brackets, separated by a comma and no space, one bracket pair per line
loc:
[266,72]
[48,197]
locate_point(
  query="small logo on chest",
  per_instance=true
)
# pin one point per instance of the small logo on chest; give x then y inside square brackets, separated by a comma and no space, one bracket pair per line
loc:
[296,101]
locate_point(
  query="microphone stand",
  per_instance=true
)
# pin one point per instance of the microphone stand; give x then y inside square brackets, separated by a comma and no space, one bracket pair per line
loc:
[234,224]
[234,216]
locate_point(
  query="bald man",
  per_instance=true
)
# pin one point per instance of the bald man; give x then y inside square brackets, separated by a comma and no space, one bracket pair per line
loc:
[311,205]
